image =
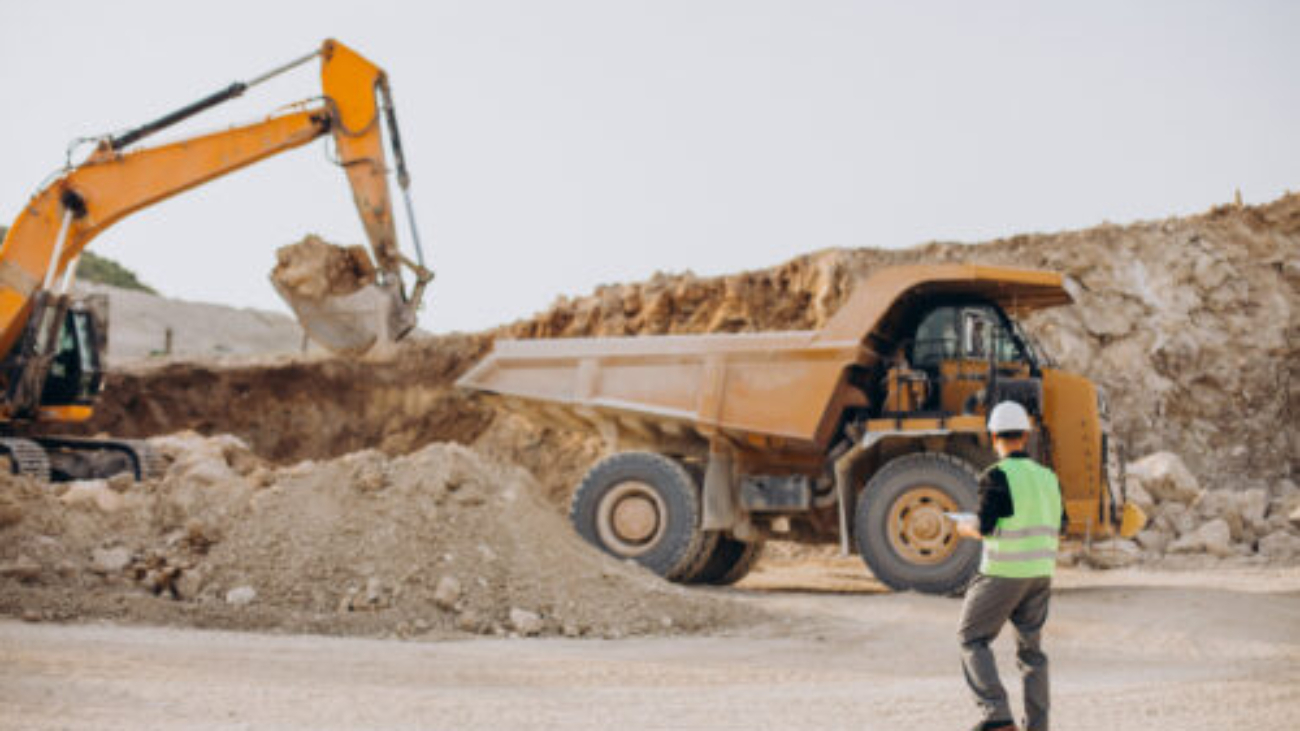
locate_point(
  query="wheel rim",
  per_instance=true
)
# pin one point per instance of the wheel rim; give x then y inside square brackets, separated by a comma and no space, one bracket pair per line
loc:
[917,530]
[631,518]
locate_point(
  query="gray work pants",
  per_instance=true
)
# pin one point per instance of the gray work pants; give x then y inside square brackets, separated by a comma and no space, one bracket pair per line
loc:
[990,602]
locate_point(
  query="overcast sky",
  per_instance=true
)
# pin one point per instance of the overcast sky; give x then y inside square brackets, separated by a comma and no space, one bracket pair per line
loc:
[558,145]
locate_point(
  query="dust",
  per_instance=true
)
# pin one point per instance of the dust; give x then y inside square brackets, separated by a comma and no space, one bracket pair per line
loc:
[439,542]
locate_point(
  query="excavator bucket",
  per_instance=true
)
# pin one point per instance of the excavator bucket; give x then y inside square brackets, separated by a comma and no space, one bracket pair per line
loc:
[337,298]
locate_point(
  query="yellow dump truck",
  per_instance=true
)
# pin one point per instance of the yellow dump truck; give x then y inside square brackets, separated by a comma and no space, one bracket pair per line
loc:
[863,432]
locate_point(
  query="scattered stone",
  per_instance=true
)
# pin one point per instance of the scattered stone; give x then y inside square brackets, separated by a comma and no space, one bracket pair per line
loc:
[1114,554]
[1166,478]
[110,561]
[525,622]
[1280,545]
[241,595]
[121,482]
[1153,539]
[93,492]
[470,621]
[375,594]
[447,592]
[1214,537]
[10,514]
[22,568]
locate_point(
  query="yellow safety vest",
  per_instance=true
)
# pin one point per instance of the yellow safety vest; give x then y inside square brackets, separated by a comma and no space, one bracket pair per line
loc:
[1024,545]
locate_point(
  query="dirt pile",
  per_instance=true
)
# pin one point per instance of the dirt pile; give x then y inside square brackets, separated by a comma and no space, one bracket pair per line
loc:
[314,269]
[440,541]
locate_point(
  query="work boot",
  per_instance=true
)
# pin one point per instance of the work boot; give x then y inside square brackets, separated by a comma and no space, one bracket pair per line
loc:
[995,726]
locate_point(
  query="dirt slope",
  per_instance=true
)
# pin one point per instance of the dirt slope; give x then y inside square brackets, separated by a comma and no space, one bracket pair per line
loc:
[1191,324]
[440,541]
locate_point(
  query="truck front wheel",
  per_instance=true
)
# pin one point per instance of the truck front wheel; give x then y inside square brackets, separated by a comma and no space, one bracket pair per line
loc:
[645,507]
[900,529]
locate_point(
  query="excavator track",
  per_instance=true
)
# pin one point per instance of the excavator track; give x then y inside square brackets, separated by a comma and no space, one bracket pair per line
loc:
[77,458]
[27,457]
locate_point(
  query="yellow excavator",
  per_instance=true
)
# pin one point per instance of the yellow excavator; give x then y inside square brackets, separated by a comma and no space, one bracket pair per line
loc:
[52,344]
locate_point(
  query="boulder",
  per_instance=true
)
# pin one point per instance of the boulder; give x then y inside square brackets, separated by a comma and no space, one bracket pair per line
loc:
[1253,506]
[1166,478]
[1138,495]
[1280,545]
[1154,539]
[525,622]
[1224,505]
[241,595]
[447,592]
[110,561]
[1114,554]
[1214,538]
[93,492]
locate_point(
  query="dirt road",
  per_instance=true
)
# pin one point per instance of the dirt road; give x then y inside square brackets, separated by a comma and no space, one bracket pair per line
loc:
[1135,650]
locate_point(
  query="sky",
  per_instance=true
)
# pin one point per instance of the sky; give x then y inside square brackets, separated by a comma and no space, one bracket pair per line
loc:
[558,145]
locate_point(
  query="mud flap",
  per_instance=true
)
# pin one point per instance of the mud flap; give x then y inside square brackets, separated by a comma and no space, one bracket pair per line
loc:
[720,509]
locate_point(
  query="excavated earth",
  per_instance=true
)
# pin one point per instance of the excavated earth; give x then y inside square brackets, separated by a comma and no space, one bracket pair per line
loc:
[340,465]
[1192,325]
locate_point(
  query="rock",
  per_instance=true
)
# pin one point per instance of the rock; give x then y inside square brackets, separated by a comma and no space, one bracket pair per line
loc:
[22,568]
[469,621]
[1154,539]
[1175,518]
[1214,537]
[1114,554]
[1294,517]
[1252,504]
[121,482]
[375,594]
[1138,495]
[10,514]
[1280,545]
[1225,505]
[241,595]
[93,492]
[525,622]
[189,584]
[1166,478]
[110,561]
[447,592]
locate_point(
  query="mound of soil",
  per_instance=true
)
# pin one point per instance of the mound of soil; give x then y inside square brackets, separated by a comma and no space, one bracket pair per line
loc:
[440,541]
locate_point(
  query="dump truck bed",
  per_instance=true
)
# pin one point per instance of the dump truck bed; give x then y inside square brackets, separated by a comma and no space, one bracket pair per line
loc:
[788,388]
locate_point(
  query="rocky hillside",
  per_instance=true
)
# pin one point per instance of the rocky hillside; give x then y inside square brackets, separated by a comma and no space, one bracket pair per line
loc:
[1191,324]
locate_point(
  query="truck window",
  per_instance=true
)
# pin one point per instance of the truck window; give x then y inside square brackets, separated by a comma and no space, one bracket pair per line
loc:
[981,330]
[936,338]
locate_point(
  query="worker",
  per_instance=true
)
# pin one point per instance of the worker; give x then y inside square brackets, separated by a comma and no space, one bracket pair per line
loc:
[1020,518]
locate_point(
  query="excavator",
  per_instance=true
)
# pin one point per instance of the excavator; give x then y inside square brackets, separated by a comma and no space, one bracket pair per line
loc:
[52,344]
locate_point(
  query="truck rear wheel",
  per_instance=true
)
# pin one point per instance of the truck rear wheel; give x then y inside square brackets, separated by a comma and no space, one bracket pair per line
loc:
[645,507]
[900,529]
[728,563]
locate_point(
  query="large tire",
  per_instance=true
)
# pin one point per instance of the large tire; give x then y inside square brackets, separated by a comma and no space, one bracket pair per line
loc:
[645,507]
[728,563]
[901,532]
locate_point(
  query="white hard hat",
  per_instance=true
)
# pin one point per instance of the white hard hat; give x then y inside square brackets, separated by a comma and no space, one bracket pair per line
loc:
[1009,416]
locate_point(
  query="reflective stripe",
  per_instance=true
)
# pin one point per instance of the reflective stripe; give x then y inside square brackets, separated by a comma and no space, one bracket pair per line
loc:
[1031,532]
[1021,556]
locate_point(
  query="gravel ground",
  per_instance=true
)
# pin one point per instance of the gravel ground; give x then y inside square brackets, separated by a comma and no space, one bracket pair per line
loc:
[1132,650]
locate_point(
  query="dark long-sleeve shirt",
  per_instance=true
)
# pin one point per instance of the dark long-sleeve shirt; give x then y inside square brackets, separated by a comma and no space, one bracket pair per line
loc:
[995,498]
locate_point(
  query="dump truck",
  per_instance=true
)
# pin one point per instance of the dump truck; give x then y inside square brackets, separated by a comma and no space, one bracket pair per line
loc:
[52,344]
[864,432]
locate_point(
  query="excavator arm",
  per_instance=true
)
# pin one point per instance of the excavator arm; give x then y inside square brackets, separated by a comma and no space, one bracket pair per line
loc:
[63,218]
[38,253]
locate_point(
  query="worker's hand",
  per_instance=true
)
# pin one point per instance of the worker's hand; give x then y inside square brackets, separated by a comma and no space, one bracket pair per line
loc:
[968,529]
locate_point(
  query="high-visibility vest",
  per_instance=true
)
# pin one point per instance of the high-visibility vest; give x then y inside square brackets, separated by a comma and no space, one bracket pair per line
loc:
[1024,545]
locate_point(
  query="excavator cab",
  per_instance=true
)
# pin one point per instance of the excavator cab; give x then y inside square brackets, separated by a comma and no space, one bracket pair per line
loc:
[76,373]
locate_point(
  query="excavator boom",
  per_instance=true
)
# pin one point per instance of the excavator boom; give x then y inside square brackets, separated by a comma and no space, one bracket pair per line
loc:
[46,375]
